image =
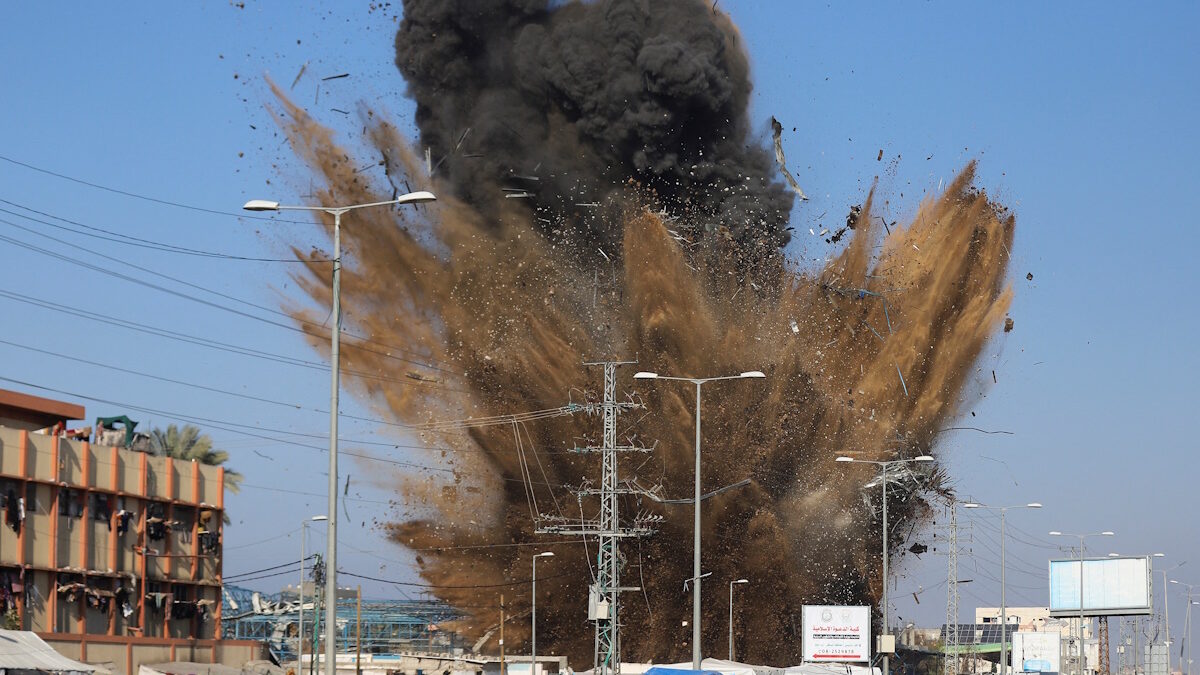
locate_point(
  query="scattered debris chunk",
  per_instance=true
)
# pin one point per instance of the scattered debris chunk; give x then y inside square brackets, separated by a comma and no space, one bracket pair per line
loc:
[300,74]
[795,327]
[853,216]
[880,157]
[335,77]
[902,379]
[1029,276]
[777,132]
[1008,324]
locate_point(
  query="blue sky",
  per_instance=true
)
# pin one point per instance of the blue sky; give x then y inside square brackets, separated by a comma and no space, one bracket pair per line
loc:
[1081,114]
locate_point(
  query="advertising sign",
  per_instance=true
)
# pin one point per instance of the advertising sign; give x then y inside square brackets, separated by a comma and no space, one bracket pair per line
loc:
[1034,652]
[1111,587]
[837,633]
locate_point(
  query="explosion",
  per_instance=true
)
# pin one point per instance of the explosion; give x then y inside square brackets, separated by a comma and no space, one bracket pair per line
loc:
[600,197]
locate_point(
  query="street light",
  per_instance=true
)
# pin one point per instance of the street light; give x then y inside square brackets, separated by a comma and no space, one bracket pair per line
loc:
[533,614]
[335,364]
[1167,612]
[300,591]
[1105,533]
[883,479]
[698,381]
[1003,601]
[1187,622]
[731,613]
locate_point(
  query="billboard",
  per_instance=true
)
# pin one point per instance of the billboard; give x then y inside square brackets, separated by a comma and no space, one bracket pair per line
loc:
[837,633]
[1034,652]
[1111,586]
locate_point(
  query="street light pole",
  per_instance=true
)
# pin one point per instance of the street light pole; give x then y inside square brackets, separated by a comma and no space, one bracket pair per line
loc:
[883,478]
[334,389]
[1167,613]
[1003,599]
[533,613]
[1082,646]
[1187,622]
[698,381]
[300,593]
[731,614]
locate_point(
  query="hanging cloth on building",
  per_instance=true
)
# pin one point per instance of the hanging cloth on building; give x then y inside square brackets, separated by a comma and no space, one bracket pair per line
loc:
[122,597]
[14,511]
[203,609]
[155,528]
[123,517]
[208,541]
[160,600]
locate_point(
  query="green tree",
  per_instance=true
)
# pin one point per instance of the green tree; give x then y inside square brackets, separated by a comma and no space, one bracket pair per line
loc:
[187,444]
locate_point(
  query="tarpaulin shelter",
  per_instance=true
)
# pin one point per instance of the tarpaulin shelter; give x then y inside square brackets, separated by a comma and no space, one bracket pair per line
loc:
[720,666]
[830,669]
[24,653]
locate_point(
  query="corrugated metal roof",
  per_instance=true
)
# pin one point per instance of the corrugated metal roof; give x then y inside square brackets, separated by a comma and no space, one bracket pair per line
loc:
[22,650]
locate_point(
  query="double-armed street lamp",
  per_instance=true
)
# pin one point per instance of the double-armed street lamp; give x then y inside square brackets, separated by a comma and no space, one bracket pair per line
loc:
[1105,533]
[334,356]
[1187,622]
[1003,601]
[883,480]
[698,381]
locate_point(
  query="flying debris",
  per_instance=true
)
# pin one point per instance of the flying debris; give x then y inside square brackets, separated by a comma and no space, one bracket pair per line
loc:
[466,294]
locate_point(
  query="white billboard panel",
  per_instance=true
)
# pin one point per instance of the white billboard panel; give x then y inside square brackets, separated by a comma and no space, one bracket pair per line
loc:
[1111,587]
[837,633]
[1034,652]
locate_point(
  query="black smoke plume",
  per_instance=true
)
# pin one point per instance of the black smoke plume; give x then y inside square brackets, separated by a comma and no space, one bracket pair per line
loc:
[586,97]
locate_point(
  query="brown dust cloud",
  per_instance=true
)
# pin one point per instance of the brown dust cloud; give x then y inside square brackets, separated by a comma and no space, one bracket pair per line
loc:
[601,196]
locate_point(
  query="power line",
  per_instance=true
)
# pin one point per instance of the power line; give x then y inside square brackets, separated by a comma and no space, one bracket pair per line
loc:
[231,577]
[218,424]
[155,200]
[128,240]
[222,425]
[190,285]
[520,582]
[214,344]
[186,296]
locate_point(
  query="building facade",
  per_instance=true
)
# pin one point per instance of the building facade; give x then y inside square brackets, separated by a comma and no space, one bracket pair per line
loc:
[103,547]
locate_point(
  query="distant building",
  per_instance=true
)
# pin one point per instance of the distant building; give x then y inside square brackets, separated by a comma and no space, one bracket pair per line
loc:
[1036,619]
[105,552]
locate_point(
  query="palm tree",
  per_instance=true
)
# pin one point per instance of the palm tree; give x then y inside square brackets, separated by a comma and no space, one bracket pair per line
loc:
[189,444]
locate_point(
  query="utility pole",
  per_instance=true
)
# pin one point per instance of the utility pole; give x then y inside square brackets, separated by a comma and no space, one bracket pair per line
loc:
[604,594]
[950,645]
[358,633]
[1102,646]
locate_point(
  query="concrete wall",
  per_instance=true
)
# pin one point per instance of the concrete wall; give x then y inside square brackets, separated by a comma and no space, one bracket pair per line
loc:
[130,653]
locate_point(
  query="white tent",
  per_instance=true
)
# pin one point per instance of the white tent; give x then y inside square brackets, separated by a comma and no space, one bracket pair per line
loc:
[23,653]
[721,666]
[830,669]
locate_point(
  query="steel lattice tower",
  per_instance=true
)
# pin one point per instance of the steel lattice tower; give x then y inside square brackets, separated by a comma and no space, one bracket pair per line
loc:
[950,646]
[604,595]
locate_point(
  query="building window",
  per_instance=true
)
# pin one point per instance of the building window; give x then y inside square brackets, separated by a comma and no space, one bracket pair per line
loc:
[101,507]
[70,503]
